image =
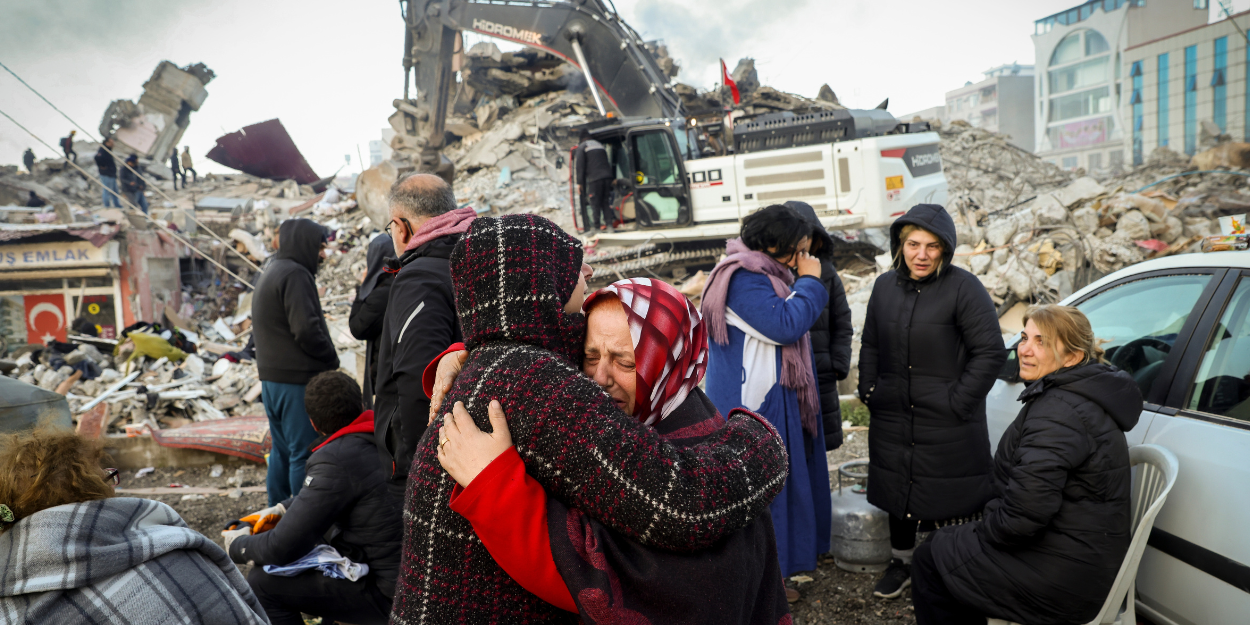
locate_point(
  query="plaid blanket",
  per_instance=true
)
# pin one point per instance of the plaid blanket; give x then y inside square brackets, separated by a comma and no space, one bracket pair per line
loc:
[119,560]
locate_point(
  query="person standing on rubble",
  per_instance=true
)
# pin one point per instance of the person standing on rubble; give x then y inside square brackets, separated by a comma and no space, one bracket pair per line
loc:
[594,178]
[420,320]
[67,146]
[28,159]
[369,308]
[133,185]
[292,345]
[187,167]
[931,351]
[173,166]
[108,173]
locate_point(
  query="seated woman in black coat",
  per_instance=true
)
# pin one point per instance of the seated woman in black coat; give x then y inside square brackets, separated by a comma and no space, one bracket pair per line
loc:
[1056,532]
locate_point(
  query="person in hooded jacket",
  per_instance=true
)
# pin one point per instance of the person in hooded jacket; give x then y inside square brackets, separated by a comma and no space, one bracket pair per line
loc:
[292,345]
[1057,530]
[832,333]
[420,319]
[369,308]
[346,499]
[930,354]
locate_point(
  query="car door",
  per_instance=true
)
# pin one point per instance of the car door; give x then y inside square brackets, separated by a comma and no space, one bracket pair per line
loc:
[1144,320]
[1196,568]
[661,195]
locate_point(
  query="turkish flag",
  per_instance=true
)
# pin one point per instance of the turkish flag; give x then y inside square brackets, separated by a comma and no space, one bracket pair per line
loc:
[45,318]
[733,86]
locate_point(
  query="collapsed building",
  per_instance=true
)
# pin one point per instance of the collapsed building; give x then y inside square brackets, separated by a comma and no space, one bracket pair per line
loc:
[153,126]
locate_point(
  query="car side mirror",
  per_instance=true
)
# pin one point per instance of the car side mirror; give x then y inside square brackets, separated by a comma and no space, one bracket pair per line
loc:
[1010,373]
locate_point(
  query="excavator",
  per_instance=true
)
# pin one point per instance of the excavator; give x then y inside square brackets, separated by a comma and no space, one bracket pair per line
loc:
[683,189]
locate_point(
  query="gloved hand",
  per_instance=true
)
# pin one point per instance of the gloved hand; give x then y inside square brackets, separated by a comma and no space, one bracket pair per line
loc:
[229,535]
[265,520]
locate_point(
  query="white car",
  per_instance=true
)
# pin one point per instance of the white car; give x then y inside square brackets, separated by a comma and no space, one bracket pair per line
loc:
[1180,326]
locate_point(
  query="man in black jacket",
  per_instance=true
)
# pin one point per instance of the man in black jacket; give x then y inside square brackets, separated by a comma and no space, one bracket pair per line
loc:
[108,173]
[292,345]
[594,177]
[369,308]
[133,185]
[420,319]
[346,498]
[832,333]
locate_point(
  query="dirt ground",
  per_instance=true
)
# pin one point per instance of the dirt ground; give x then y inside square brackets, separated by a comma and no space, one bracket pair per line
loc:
[834,595]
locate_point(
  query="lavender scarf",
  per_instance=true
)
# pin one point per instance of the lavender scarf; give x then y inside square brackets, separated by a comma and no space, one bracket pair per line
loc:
[796,358]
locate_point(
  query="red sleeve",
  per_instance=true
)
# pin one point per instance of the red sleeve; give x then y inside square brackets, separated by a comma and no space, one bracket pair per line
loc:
[431,370]
[508,511]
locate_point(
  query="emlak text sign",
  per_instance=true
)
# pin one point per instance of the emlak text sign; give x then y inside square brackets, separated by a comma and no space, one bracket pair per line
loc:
[58,254]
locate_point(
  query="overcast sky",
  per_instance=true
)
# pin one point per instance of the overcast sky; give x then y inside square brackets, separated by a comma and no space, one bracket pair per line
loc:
[330,69]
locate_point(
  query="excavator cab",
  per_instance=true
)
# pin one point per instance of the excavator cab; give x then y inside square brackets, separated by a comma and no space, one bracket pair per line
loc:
[661,197]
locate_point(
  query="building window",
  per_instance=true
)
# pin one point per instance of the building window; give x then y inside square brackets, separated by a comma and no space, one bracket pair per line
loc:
[1117,160]
[1191,99]
[1201,4]
[1095,161]
[1163,99]
[1069,162]
[1219,109]
[1079,78]
[1137,113]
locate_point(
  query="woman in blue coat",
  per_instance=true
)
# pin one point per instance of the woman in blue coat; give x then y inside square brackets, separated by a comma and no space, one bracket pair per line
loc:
[760,358]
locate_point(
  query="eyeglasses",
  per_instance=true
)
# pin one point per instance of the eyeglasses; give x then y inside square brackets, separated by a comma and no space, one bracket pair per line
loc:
[390,225]
[113,475]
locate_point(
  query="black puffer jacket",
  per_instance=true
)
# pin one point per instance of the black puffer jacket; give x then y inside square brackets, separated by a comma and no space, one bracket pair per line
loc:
[931,351]
[1058,527]
[345,502]
[420,323]
[832,332]
[369,308]
[292,341]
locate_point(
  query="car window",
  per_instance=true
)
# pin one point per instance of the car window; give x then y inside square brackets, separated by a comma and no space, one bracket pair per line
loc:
[1140,320]
[1222,385]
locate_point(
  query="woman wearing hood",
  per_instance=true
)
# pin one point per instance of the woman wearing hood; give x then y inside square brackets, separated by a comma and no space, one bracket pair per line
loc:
[760,359]
[832,332]
[1059,525]
[519,286]
[931,351]
[369,308]
[646,346]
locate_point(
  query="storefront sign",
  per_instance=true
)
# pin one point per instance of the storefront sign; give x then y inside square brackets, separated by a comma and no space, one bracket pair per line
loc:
[58,254]
[1083,133]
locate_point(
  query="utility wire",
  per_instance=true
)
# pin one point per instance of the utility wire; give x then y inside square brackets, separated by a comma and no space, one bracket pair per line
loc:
[132,206]
[127,166]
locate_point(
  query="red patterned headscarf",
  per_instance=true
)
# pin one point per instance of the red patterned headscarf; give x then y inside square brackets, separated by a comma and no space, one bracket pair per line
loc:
[670,343]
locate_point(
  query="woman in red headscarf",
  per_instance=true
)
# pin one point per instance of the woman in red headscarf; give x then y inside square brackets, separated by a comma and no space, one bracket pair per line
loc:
[646,346]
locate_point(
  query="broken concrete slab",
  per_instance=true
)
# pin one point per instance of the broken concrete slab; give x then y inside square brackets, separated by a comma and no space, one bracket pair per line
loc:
[1081,189]
[1133,225]
[264,150]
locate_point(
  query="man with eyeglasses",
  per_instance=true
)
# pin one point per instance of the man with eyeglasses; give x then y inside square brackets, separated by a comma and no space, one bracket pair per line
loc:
[420,315]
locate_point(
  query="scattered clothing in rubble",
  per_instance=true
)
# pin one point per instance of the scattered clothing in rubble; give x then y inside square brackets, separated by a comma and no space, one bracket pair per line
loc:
[34,201]
[573,555]
[580,447]
[832,333]
[931,351]
[345,496]
[368,312]
[325,559]
[1059,525]
[760,359]
[420,321]
[145,566]
[292,345]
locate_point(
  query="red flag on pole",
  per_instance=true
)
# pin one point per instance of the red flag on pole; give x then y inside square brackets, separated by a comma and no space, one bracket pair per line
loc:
[733,86]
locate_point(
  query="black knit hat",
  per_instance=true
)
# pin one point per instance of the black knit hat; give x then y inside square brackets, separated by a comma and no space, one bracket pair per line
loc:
[512,277]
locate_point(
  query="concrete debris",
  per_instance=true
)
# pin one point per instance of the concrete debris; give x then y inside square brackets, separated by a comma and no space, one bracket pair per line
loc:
[153,127]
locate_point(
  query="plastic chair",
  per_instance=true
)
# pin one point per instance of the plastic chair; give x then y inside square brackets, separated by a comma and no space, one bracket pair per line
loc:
[1152,481]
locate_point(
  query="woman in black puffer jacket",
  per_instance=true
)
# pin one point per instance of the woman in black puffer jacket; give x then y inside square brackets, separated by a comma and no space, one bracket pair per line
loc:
[931,350]
[831,336]
[1056,532]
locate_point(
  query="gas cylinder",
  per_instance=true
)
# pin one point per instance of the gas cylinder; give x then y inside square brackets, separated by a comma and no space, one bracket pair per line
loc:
[860,538]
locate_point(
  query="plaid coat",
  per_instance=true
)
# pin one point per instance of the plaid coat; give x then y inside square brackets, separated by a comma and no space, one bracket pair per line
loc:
[119,560]
[512,276]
